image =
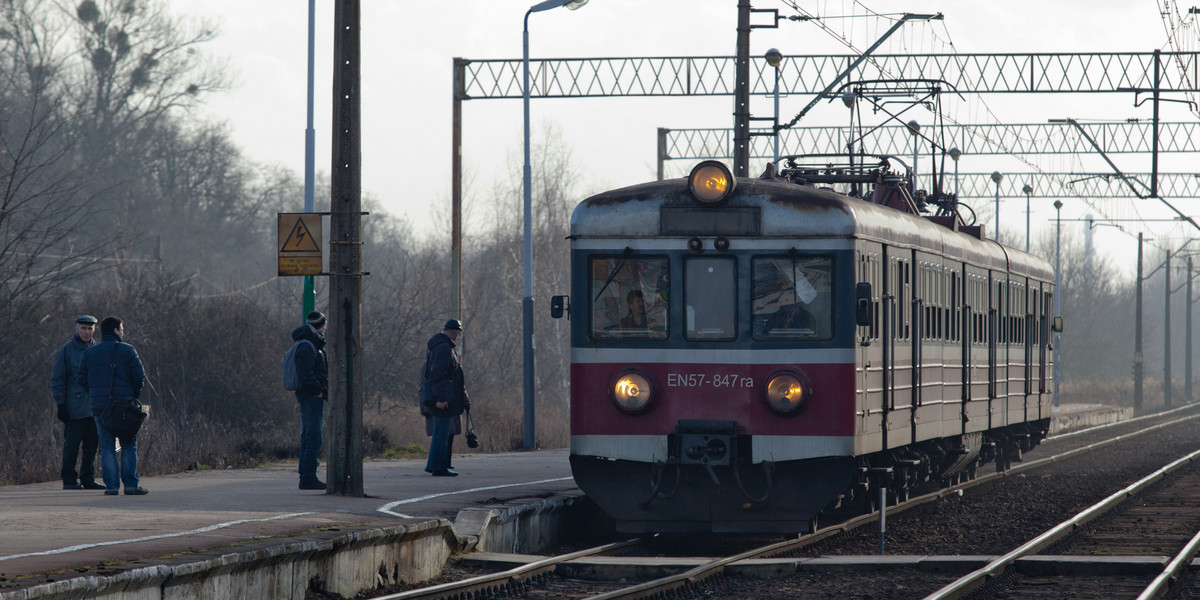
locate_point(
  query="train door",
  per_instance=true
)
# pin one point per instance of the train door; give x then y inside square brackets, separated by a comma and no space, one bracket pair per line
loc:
[929,350]
[997,351]
[977,368]
[1020,350]
[898,355]
[870,354]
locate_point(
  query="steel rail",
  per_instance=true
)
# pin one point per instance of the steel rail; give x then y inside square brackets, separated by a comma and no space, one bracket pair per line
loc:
[671,582]
[977,578]
[496,580]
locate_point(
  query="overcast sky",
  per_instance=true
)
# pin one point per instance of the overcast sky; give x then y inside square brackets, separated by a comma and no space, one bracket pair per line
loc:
[408,47]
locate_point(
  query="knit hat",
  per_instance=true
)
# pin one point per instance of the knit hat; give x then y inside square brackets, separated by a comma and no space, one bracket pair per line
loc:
[316,319]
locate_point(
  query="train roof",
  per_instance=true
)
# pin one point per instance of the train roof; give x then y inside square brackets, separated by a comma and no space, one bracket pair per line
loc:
[765,208]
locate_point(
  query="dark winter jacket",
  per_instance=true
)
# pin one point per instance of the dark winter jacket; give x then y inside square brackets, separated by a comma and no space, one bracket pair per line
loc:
[444,378]
[64,385]
[96,373]
[311,364]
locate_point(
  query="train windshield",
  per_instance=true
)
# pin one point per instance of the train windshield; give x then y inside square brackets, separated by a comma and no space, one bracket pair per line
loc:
[629,297]
[792,298]
[710,298]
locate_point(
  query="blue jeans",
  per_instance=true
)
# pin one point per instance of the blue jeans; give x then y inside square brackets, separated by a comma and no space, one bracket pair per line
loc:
[311,419]
[126,471]
[439,449]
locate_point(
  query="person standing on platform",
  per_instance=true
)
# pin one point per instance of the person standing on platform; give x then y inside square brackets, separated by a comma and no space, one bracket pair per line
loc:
[112,370]
[79,428]
[313,369]
[444,395]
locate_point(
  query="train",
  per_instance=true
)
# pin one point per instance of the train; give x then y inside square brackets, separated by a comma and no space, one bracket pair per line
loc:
[751,355]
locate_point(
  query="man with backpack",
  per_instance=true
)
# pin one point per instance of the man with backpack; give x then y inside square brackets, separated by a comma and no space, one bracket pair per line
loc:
[311,383]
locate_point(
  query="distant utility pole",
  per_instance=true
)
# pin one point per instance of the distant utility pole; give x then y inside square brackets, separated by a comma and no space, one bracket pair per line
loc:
[344,470]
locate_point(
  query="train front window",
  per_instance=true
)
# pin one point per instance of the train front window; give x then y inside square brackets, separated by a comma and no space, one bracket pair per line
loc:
[792,298]
[710,298]
[629,297]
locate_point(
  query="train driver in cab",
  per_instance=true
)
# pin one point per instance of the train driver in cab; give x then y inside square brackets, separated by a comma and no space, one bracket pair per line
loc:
[636,317]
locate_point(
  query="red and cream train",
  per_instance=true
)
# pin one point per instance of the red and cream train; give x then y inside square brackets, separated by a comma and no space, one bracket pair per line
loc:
[748,353]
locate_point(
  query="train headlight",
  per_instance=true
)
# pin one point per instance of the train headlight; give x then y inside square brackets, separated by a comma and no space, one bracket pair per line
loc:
[632,391]
[787,392]
[711,182]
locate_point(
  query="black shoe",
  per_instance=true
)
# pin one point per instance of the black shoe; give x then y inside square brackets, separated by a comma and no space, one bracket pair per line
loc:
[72,486]
[138,491]
[111,492]
[444,473]
[315,484]
[92,485]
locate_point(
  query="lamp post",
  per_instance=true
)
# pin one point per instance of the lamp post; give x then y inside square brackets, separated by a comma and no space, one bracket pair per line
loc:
[915,129]
[1028,189]
[997,176]
[1057,289]
[527,303]
[774,57]
[954,154]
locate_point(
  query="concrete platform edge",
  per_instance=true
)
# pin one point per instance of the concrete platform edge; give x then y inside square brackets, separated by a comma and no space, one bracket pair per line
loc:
[343,562]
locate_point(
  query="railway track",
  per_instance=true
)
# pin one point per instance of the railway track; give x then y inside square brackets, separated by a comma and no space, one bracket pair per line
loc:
[702,577]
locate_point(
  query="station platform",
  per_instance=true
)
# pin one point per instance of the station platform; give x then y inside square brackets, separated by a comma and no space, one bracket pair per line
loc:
[250,533]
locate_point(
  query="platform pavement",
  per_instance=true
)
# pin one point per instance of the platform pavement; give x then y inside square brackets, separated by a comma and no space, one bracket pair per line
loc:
[45,529]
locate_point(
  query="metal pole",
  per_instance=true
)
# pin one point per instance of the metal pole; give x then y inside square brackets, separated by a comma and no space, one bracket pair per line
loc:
[344,451]
[1167,334]
[1057,292]
[1138,374]
[1187,356]
[459,94]
[310,140]
[662,150]
[776,127]
[527,303]
[741,93]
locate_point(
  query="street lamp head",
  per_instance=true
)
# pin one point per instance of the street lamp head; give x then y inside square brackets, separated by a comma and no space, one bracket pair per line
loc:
[914,127]
[1058,205]
[997,176]
[848,98]
[774,57]
[1027,189]
[549,4]
[954,153]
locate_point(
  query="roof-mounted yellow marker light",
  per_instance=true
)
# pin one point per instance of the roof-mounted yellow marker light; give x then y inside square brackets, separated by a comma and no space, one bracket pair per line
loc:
[711,182]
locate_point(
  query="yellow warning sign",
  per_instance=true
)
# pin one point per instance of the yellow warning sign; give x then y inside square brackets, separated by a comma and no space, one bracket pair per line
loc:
[300,244]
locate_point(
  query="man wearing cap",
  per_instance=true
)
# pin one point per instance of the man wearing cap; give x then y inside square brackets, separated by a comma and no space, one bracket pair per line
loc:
[79,429]
[313,369]
[445,395]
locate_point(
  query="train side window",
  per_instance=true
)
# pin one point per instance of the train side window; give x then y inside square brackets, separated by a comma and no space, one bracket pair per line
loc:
[710,298]
[792,298]
[628,297]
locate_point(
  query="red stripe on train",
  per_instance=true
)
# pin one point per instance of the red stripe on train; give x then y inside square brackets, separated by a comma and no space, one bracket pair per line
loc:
[712,392]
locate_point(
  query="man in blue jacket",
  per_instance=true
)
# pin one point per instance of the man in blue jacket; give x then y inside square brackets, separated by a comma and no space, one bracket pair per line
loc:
[313,369]
[71,400]
[444,395]
[111,370]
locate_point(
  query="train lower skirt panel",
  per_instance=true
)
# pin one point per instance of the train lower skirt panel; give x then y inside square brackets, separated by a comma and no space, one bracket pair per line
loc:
[766,497]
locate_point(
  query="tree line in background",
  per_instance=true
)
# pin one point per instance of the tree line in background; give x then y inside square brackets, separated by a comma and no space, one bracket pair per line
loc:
[117,199]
